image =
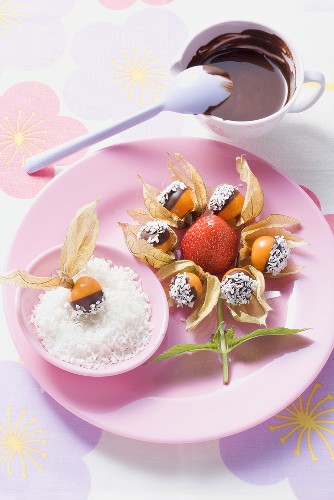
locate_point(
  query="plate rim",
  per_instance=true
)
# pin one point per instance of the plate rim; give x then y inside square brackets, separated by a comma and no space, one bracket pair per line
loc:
[213,435]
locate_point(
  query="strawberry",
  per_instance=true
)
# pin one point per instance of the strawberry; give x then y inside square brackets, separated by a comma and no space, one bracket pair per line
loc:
[210,243]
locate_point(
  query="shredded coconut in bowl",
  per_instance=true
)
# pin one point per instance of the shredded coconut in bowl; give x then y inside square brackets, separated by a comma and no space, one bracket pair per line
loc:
[118,330]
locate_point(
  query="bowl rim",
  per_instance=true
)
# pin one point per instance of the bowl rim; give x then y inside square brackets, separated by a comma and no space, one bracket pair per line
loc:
[115,368]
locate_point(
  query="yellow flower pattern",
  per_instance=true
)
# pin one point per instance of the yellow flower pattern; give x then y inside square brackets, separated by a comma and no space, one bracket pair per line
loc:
[18,440]
[22,136]
[328,85]
[307,422]
[139,71]
[10,11]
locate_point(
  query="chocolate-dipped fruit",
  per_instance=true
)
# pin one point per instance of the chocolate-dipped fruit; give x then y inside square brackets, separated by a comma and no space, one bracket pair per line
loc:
[177,198]
[86,294]
[226,202]
[157,234]
[270,254]
[185,289]
[237,286]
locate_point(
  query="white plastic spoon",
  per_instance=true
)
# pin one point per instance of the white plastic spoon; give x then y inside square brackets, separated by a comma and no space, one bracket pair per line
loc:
[193,91]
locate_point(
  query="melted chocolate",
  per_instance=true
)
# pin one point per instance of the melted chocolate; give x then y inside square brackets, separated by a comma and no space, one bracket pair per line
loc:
[85,303]
[193,292]
[173,197]
[227,202]
[262,70]
[226,83]
[162,237]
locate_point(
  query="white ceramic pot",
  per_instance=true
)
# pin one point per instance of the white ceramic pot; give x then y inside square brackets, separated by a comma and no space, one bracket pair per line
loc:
[249,129]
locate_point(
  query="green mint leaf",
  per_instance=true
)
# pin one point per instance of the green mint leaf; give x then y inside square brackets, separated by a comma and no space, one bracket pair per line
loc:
[229,335]
[216,337]
[234,342]
[182,348]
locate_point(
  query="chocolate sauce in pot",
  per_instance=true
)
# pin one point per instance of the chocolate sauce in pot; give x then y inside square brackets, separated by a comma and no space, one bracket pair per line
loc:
[262,70]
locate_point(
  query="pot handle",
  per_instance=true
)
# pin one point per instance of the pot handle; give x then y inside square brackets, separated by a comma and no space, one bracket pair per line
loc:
[308,101]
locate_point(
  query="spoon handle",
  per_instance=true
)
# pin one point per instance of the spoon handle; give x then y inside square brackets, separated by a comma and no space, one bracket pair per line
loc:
[50,156]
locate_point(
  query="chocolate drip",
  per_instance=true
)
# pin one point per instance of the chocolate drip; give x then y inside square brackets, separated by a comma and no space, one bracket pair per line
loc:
[227,202]
[173,197]
[162,237]
[193,292]
[85,303]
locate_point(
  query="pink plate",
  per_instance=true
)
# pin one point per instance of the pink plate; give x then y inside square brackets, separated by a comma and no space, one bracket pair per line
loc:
[47,264]
[183,399]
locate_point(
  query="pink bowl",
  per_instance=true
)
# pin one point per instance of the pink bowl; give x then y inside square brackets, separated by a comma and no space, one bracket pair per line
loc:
[47,263]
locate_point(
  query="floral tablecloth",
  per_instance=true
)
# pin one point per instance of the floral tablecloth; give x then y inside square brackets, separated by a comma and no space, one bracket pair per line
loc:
[69,66]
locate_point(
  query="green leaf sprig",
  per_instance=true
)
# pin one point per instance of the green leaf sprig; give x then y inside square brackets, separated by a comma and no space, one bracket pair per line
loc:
[223,342]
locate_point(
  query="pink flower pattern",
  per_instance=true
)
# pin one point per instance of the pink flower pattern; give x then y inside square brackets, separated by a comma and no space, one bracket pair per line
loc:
[125,4]
[30,123]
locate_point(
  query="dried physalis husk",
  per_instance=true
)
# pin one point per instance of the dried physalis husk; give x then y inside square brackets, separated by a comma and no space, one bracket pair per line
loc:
[23,279]
[256,310]
[192,179]
[142,249]
[189,175]
[210,294]
[273,225]
[80,240]
[206,303]
[254,199]
[139,216]
[242,208]
[78,248]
